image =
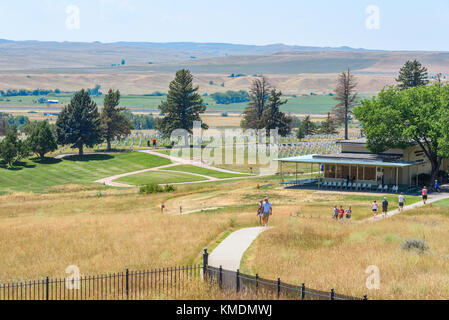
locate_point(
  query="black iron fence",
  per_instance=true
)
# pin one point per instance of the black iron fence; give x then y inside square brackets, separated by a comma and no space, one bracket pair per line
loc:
[263,288]
[165,283]
[168,283]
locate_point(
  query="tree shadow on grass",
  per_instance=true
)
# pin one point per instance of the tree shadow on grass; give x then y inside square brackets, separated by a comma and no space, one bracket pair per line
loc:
[89,157]
[46,160]
[19,165]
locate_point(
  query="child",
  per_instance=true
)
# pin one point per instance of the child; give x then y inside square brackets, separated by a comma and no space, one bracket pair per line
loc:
[374,208]
[335,215]
[349,213]
[341,213]
[424,195]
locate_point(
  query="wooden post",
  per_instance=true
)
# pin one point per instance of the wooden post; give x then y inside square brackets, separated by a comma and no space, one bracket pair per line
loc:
[357,187]
[397,176]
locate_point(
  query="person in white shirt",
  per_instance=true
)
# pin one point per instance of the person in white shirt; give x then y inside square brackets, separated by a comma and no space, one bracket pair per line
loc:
[401,202]
[374,207]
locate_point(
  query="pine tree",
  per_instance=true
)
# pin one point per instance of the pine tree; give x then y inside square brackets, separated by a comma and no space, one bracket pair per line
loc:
[259,94]
[42,140]
[113,121]
[347,98]
[412,74]
[328,126]
[183,105]
[79,123]
[273,118]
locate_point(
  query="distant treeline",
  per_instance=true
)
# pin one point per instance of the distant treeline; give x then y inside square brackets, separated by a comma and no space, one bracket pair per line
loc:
[140,121]
[8,121]
[24,93]
[230,97]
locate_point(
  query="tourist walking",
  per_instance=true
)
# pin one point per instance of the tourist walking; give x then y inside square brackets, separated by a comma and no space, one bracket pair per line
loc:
[424,195]
[385,207]
[437,186]
[341,213]
[349,213]
[260,212]
[267,212]
[335,213]
[374,207]
[401,202]
[154,143]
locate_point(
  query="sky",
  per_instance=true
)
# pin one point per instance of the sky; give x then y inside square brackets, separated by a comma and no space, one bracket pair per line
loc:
[381,24]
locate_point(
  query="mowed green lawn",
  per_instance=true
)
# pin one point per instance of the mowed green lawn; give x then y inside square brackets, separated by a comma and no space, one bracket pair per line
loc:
[158,177]
[36,176]
[206,172]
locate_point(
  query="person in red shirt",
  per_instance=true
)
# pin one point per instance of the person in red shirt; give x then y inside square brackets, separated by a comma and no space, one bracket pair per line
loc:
[154,143]
[341,213]
[424,195]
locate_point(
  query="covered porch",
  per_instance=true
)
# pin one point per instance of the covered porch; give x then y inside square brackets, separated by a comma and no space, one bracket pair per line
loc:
[345,172]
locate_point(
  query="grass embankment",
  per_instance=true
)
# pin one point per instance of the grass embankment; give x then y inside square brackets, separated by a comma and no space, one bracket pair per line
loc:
[36,176]
[159,177]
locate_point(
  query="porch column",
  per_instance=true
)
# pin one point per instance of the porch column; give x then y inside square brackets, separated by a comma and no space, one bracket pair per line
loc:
[364,174]
[336,167]
[357,186]
[397,176]
[296,174]
[417,178]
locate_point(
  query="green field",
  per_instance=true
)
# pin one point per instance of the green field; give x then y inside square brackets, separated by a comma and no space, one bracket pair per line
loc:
[158,177]
[302,104]
[38,176]
[206,172]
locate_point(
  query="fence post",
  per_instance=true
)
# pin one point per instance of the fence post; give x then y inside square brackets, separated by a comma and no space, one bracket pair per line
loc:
[279,288]
[205,262]
[257,284]
[238,281]
[303,291]
[220,280]
[332,294]
[47,282]
[127,284]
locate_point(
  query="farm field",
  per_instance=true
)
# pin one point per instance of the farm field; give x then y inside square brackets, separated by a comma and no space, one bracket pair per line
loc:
[317,104]
[39,176]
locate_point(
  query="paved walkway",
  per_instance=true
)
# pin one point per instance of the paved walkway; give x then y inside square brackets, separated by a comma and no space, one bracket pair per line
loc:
[229,253]
[432,198]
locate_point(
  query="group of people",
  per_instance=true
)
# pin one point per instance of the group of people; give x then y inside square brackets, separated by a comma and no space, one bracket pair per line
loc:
[340,214]
[264,212]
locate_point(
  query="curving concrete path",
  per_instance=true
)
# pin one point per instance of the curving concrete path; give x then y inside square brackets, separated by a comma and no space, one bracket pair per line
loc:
[432,198]
[230,252]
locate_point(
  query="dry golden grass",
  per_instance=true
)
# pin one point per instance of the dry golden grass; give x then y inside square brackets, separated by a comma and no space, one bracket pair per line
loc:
[325,255]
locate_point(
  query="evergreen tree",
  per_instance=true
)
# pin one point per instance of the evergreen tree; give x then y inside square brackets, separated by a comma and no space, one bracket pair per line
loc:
[307,128]
[273,118]
[12,149]
[42,140]
[328,126]
[113,121]
[412,74]
[258,95]
[79,123]
[183,105]
[346,97]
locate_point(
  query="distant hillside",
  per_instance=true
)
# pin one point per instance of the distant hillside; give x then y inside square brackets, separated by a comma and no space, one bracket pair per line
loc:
[40,55]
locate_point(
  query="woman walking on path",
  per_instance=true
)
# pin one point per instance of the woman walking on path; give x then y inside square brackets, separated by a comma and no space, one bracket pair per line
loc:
[424,195]
[260,212]
[341,213]
[335,213]
[385,207]
[401,202]
[374,208]
[349,213]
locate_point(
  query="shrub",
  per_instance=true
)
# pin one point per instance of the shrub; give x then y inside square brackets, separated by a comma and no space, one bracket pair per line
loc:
[416,245]
[155,188]
[224,114]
